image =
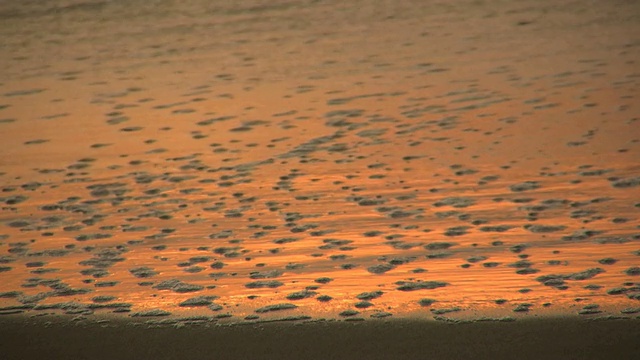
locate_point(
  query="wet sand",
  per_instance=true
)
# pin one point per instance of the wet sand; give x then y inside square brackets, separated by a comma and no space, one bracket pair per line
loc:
[242,163]
[551,338]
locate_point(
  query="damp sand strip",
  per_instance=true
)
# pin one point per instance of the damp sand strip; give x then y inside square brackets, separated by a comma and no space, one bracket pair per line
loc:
[550,338]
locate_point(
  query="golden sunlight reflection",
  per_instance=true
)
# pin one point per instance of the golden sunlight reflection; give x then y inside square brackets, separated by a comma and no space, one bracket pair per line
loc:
[248,169]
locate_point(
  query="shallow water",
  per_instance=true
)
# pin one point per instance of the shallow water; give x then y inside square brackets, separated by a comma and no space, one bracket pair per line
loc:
[483,156]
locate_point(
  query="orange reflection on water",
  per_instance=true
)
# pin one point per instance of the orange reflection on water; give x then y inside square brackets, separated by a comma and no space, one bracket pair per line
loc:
[288,153]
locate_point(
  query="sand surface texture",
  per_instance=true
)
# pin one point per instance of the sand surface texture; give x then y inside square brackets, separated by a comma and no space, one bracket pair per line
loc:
[255,161]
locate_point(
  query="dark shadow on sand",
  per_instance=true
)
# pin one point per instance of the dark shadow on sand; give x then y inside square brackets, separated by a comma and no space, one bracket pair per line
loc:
[551,338]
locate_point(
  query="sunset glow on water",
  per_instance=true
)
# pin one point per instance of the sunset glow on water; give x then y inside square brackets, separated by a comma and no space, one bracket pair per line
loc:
[275,160]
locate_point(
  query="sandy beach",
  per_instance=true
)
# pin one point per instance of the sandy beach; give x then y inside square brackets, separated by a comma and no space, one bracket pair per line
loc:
[448,179]
[550,338]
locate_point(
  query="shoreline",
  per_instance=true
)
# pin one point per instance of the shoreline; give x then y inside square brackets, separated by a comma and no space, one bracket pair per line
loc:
[548,338]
